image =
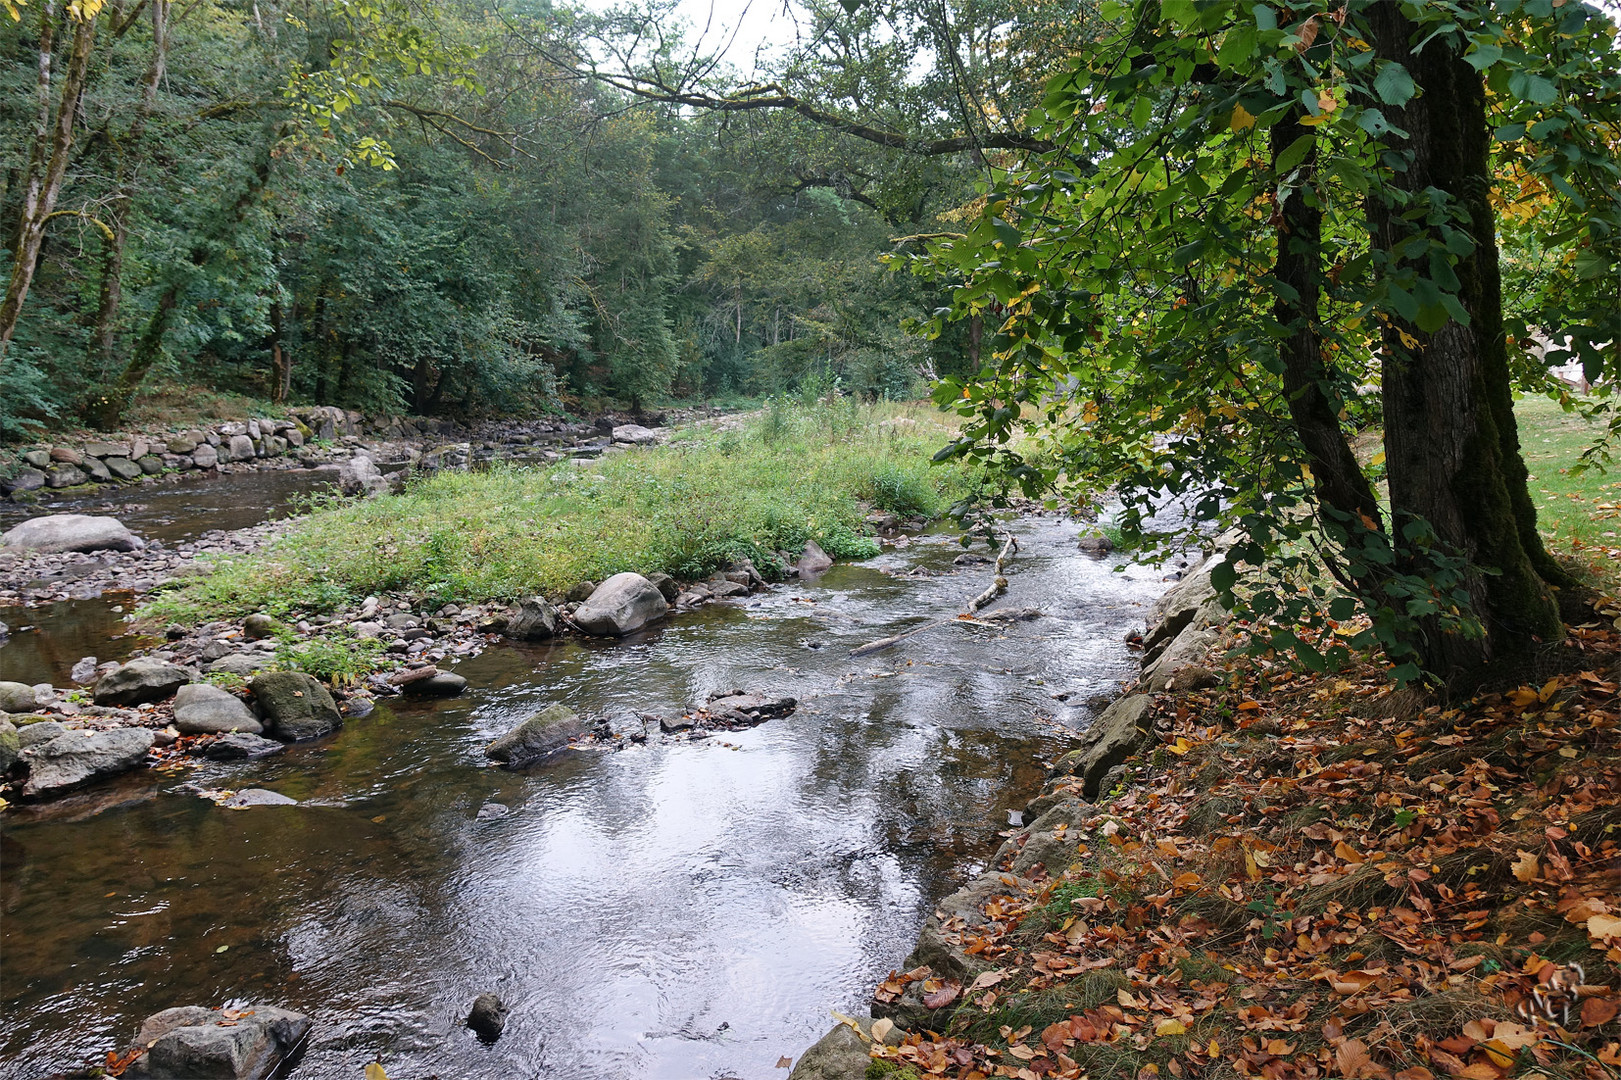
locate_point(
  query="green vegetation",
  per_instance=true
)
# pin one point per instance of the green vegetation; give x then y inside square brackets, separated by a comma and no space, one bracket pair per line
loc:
[337,657]
[706,498]
[1579,512]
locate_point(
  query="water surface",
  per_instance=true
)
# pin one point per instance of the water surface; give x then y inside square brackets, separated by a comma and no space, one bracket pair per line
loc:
[675,909]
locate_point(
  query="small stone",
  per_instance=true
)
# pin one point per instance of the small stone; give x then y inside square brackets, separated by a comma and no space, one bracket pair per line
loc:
[442,684]
[490,811]
[257,797]
[142,680]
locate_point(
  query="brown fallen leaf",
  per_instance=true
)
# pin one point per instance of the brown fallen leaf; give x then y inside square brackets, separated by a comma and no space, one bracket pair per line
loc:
[1525,867]
[1599,1010]
[785,1062]
[945,995]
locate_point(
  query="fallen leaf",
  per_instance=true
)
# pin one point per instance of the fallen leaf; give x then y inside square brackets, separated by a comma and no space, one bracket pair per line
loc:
[939,999]
[1525,867]
[1598,1010]
[1170,1027]
[1606,928]
[785,1063]
[374,1071]
[880,1029]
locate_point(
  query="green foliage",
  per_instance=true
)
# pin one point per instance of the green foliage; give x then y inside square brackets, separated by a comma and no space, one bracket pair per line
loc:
[1145,336]
[685,508]
[337,657]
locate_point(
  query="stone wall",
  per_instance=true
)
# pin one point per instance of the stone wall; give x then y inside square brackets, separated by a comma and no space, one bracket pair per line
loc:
[128,458]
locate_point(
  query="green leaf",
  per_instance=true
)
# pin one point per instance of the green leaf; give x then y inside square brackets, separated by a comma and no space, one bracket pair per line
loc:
[1394,85]
[1294,154]
[1483,56]
[1223,576]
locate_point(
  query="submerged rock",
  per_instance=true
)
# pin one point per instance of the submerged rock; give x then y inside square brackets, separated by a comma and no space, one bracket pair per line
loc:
[201,709]
[621,605]
[488,1017]
[194,1043]
[10,746]
[75,758]
[256,796]
[544,733]
[71,532]
[440,684]
[295,705]
[740,706]
[141,680]
[241,746]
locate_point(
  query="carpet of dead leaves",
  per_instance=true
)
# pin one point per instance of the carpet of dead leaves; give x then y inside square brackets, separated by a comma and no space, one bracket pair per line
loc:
[1318,876]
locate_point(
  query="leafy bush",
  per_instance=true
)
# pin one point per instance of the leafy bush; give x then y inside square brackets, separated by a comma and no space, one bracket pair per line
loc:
[340,658]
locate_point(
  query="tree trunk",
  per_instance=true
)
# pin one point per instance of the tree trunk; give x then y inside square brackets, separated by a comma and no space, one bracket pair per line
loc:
[281,365]
[1347,504]
[47,165]
[104,338]
[1451,464]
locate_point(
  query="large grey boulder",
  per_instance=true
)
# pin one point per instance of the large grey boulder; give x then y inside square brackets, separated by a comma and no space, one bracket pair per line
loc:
[201,709]
[42,731]
[536,619]
[814,560]
[141,680]
[26,480]
[635,434]
[1123,729]
[622,604]
[243,664]
[75,758]
[360,476]
[194,1043]
[241,448]
[205,457]
[295,705]
[1192,603]
[1184,655]
[16,697]
[544,733]
[841,1054]
[71,532]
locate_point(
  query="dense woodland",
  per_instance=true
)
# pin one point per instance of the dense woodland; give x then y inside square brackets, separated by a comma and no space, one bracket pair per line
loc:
[441,208]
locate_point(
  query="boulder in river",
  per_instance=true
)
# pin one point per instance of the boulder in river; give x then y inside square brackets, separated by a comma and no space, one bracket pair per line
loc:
[25,480]
[193,1042]
[842,1054]
[814,560]
[544,733]
[257,796]
[1123,729]
[141,680]
[75,758]
[439,684]
[241,746]
[63,475]
[71,532]
[41,731]
[739,706]
[666,586]
[360,476]
[16,697]
[295,705]
[243,664]
[488,1017]
[622,604]
[201,709]
[536,619]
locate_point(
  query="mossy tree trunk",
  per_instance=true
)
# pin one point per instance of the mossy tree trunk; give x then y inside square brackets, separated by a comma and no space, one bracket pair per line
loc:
[1450,439]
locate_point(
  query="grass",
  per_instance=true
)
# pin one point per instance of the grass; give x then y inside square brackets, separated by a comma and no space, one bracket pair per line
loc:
[708,497]
[1577,512]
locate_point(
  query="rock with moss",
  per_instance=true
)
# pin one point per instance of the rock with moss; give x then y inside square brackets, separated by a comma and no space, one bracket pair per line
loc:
[10,746]
[296,707]
[842,1054]
[543,734]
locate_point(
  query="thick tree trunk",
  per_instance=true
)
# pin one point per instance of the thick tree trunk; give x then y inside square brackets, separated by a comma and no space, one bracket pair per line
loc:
[1451,464]
[281,365]
[47,164]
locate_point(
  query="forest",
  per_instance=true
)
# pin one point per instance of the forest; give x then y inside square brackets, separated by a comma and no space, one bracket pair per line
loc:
[443,209]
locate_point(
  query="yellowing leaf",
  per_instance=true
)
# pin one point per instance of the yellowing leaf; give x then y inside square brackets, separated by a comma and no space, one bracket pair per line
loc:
[1525,867]
[1180,746]
[1242,120]
[1347,852]
[881,1028]
[374,1071]
[1606,928]
[1170,1027]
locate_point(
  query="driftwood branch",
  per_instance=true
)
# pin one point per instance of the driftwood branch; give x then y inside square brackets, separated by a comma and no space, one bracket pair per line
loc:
[996,589]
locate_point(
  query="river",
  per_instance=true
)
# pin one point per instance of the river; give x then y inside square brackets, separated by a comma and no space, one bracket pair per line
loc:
[680,908]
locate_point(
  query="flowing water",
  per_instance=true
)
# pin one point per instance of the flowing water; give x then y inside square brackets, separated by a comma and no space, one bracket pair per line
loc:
[677,909]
